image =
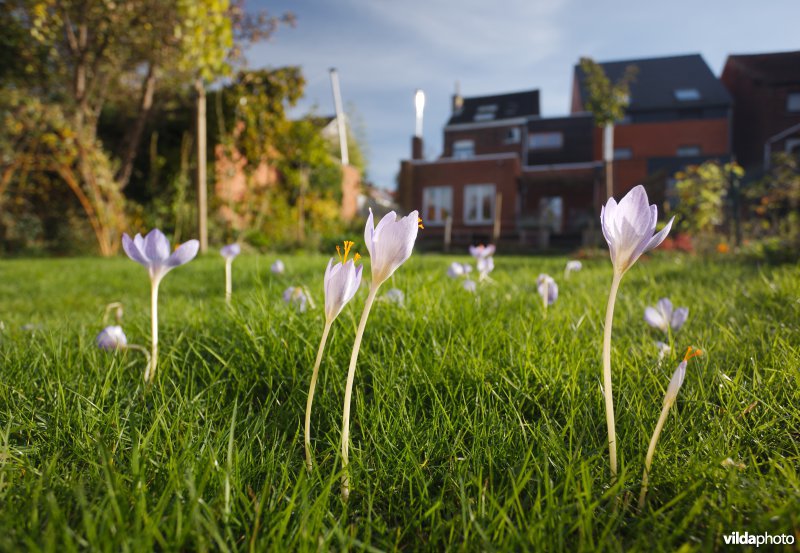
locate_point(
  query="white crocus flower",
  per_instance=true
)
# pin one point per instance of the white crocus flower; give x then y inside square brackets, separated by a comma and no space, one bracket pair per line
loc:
[664,317]
[390,244]
[341,282]
[628,228]
[674,387]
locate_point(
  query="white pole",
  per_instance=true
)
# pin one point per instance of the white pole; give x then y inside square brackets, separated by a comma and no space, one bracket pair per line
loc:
[419,107]
[337,102]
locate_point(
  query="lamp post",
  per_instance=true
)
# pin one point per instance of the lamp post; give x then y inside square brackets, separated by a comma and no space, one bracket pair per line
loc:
[419,106]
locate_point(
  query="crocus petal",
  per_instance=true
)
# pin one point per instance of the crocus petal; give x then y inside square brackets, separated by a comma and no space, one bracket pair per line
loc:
[656,240]
[133,250]
[230,251]
[390,243]
[341,283]
[156,246]
[184,254]
[664,307]
[679,318]
[138,240]
[675,383]
[455,270]
[470,285]
[654,318]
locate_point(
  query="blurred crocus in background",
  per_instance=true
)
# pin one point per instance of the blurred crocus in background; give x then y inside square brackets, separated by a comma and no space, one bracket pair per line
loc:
[470,285]
[457,269]
[341,282]
[485,266]
[153,252]
[390,244]
[278,267]
[674,387]
[548,290]
[663,349]
[393,295]
[629,229]
[664,317]
[229,252]
[481,251]
[573,266]
[298,297]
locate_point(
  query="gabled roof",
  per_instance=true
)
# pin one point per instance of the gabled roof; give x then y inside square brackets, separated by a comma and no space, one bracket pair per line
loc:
[481,109]
[776,68]
[658,79]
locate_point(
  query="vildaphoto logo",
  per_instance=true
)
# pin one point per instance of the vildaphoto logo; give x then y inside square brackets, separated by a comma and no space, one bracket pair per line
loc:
[737,538]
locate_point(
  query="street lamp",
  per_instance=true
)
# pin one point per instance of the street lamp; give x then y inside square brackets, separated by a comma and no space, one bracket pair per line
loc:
[419,105]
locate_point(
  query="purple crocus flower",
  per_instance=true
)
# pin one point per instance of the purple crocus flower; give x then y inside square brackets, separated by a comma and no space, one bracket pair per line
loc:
[470,285]
[548,289]
[485,266]
[629,228]
[296,296]
[112,338]
[481,251]
[458,269]
[390,243]
[153,252]
[341,281]
[230,251]
[393,295]
[573,266]
[663,317]
[278,267]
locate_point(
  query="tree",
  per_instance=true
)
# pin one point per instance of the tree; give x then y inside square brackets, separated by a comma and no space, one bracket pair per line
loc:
[775,198]
[607,103]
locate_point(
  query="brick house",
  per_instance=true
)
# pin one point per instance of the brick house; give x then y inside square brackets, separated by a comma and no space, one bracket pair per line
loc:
[766,106]
[508,174]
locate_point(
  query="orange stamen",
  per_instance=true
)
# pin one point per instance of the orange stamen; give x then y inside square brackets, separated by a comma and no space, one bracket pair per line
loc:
[348,245]
[690,353]
[419,223]
[356,257]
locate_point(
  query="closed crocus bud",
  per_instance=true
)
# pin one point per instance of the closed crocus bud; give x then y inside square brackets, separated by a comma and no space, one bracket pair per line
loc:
[341,284]
[548,289]
[485,266]
[663,316]
[629,228]
[676,381]
[470,285]
[153,252]
[390,243]
[278,267]
[230,251]
[112,338]
[393,295]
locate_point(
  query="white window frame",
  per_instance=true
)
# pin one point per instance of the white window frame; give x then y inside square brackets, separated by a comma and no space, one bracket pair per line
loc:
[435,195]
[513,136]
[547,145]
[462,144]
[485,113]
[793,102]
[479,191]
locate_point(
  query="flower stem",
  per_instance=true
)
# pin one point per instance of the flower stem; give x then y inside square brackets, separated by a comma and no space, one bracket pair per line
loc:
[651,450]
[146,353]
[348,392]
[228,283]
[309,460]
[546,294]
[612,433]
[150,376]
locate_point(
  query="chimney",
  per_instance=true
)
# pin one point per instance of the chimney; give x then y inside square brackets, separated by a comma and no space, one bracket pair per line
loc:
[458,101]
[416,147]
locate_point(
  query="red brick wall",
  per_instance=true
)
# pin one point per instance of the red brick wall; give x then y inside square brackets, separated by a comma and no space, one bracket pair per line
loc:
[503,173]
[489,140]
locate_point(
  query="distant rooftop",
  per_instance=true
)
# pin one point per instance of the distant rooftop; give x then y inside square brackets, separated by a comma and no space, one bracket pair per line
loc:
[666,83]
[777,68]
[478,109]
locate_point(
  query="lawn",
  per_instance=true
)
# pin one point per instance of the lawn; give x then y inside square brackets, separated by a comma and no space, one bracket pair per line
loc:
[478,423]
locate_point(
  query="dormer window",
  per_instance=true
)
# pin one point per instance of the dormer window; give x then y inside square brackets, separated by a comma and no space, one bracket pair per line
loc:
[486,113]
[687,94]
[793,102]
[546,141]
[463,149]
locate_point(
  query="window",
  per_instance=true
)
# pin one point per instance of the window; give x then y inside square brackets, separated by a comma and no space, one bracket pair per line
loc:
[793,102]
[479,204]
[551,213]
[512,136]
[623,153]
[688,151]
[437,204]
[546,141]
[485,113]
[687,94]
[463,149]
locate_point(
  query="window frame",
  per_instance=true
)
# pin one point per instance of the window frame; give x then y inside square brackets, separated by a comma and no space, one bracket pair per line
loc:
[429,194]
[687,147]
[463,155]
[547,146]
[481,190]
[793,102]
[618,149]
[687,94]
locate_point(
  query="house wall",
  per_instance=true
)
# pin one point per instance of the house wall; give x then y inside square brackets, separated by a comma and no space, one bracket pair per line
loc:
[759,113]
[661,140]
[502,171]
[488,140]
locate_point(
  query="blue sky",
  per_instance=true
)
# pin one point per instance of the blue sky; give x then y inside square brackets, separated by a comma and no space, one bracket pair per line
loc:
[385,49]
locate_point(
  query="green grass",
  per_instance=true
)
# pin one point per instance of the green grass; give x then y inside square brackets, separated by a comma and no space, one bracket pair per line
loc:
[477,423]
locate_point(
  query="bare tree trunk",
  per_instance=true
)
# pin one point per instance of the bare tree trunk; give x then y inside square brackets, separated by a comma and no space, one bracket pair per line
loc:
[202,192]
[301,207]
[135,133]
